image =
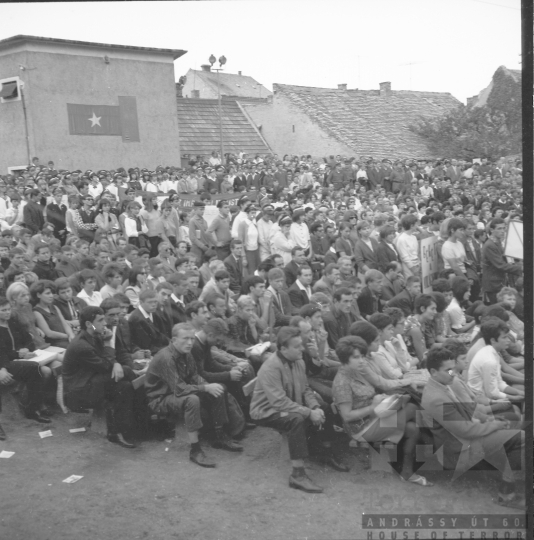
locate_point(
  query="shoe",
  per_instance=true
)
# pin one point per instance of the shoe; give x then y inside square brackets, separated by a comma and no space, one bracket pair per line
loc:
[225,443]
[45,411]
[250,425]
[201,459]
[512,500]
[3,435]
[305,484]
[418,479]
[333,462]
[120,440]
[37,415]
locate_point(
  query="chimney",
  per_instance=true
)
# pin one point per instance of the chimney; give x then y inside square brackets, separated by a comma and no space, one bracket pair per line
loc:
[205,67]
[385,88]
[195,94]
[341,86]
[239,73]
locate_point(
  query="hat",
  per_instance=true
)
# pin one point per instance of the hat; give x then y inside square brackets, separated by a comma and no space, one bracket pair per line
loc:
[199,204]
[298,213]
[285,221]
[350,214]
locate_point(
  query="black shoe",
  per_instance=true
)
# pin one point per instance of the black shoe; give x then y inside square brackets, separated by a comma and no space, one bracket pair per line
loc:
[36,415]
[335,463]
[45,411]
[225,443]
[201,459]
[120,440]
[305,484]
[3,435]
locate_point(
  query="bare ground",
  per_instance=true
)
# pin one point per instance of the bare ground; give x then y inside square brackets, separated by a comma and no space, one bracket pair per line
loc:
[154,493]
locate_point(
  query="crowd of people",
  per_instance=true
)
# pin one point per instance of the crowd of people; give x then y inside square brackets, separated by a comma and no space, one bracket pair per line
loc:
[300,309]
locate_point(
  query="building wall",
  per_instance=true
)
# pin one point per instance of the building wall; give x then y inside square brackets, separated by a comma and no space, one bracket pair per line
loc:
[60,75]
[288,130]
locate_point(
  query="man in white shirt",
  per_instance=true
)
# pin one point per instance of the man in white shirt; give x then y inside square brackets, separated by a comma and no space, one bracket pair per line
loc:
[408,247]
[95,187]
[265,231]
[484,376]
[243,204]
[155,276]
[453,251]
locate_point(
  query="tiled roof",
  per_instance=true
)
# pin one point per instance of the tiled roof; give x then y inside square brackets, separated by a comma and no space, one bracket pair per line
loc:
[231,84]
[372,124]
[198,121]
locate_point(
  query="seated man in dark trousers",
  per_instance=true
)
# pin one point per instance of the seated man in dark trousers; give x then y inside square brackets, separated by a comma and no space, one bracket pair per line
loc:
[283,400]
[146,328]
[12,369]
[175,389]
[92,376]
[233,377]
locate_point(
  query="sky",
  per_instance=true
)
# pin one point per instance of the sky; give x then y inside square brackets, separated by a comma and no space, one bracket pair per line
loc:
[426,45]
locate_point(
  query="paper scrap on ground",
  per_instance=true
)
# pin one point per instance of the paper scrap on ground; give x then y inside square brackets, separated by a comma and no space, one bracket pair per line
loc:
[71,479]
[77,430]
[5,454]
[44,434]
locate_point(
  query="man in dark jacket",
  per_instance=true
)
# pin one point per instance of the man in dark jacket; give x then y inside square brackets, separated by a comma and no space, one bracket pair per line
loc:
[406,298]
[146,328]
[174,388]
[234,265]
[337,321]
[33,212]
[369,300]
[495,268]
[92,376]
[44,267]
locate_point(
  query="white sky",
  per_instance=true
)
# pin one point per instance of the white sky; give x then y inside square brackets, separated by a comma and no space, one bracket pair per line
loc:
[456,45]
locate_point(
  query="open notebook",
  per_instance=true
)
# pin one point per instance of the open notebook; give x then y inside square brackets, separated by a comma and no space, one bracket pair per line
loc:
[44,356]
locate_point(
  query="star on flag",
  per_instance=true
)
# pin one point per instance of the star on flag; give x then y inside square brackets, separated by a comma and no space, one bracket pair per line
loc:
[95,120]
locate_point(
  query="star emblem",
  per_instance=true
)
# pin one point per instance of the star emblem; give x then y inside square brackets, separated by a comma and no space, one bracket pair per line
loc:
[95,120]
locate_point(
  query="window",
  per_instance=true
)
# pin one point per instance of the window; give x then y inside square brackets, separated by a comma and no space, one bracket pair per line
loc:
[10,89]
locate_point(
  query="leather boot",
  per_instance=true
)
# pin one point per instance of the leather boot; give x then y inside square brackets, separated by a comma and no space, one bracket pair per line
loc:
[225,443]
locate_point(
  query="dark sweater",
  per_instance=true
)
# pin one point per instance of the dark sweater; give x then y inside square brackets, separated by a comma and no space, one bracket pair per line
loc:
[208,368]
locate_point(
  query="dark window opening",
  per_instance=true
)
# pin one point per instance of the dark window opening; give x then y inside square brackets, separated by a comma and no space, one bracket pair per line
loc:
[9,90]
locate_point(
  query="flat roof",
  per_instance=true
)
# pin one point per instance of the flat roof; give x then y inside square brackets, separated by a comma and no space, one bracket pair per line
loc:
[14,40]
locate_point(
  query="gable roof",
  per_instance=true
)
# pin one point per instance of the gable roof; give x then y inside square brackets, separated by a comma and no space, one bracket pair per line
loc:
[231,84]
[371,123]
[481,99]
[199,128]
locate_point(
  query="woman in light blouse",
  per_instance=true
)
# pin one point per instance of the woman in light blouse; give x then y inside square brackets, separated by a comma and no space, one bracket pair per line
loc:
[357,402]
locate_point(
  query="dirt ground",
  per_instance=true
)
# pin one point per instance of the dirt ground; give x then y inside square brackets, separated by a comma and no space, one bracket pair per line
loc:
[154,493]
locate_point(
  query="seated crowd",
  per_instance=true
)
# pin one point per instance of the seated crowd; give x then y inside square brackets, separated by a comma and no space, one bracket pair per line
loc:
[304,311]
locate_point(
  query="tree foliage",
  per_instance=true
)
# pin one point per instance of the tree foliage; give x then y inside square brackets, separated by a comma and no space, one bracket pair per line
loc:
[492,130]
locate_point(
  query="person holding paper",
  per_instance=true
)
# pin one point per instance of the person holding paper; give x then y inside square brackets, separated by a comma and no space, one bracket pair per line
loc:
[31,373]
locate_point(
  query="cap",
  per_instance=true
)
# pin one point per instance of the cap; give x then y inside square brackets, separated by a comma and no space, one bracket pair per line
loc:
[199,204]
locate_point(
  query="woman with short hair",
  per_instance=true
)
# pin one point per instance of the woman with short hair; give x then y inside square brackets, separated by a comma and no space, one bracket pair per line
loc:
[359,406]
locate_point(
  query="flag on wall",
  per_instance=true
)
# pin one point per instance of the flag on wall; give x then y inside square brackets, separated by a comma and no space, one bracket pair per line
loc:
[111,120]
